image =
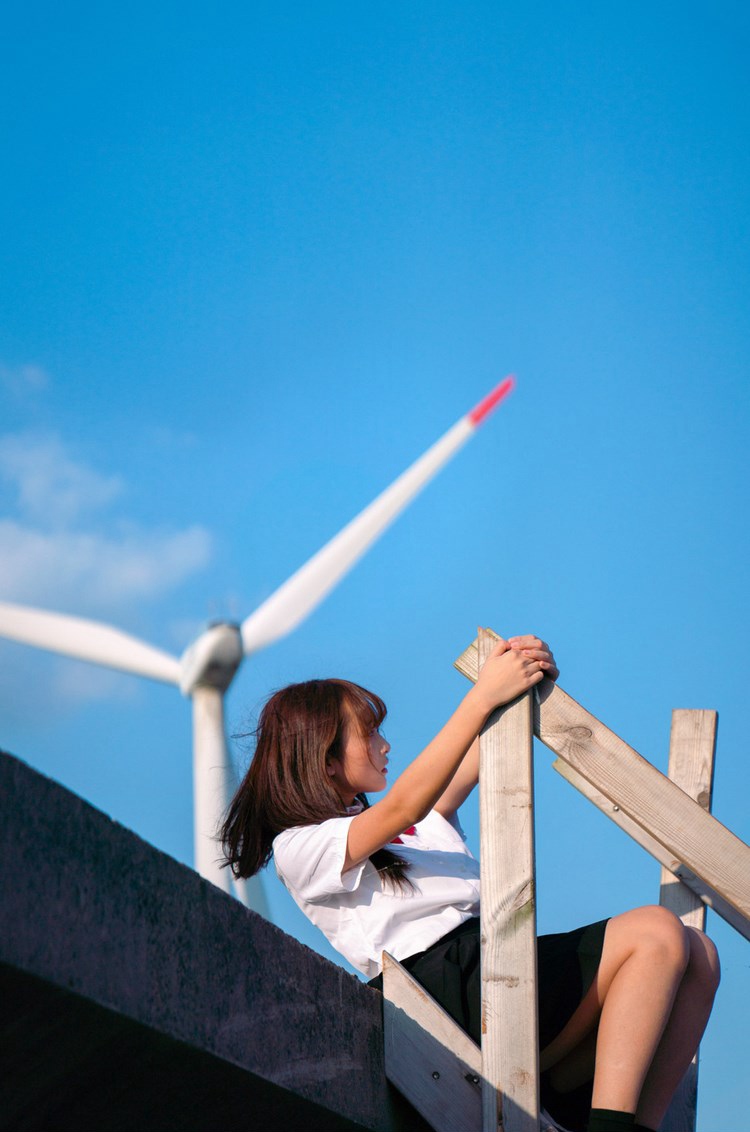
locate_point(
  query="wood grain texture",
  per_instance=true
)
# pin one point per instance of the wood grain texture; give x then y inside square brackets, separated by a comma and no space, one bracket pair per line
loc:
[702,845]
[692,748]
[703,891]
[428,1057]
[510,1057]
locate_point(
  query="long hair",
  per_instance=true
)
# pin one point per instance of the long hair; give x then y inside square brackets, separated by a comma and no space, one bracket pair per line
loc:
[299,729]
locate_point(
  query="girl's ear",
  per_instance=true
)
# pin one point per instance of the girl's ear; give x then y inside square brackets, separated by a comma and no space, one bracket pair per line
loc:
[330,766]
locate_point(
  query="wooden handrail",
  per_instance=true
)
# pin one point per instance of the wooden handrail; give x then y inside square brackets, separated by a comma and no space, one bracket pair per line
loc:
[705,855]
[427,1056]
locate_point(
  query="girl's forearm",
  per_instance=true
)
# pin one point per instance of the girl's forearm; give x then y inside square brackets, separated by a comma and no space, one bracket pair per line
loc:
[461,785]
[505,674]
[424,781]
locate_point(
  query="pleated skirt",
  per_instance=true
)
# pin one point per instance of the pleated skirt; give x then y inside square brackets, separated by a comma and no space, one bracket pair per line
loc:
[567,963]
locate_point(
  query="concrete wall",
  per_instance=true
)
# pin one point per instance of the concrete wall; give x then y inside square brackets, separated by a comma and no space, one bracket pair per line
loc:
[117,958]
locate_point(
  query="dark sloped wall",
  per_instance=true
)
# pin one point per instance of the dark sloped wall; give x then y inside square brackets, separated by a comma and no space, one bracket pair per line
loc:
[129,980]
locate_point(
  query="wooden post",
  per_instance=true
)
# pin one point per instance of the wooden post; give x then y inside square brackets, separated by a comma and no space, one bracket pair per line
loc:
[692,747]
[691,766]
[510,1049]
[428,1057]
[705,853]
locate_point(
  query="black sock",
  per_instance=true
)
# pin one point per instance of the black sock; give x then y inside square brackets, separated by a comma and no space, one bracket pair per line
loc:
[610,1120]
[643,1128]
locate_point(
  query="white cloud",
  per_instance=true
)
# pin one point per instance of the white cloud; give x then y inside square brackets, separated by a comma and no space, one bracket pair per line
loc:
[22,381]
[75,682]
[64,546]
[52,488]
[88,572]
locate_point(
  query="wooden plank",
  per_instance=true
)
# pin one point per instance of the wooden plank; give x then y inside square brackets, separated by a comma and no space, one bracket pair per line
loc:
[510,1044]
[703,891]
[702,844]
[428,1057]
[692,748]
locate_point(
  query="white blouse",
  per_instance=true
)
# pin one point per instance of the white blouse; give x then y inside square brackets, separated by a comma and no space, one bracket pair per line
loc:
[363,917]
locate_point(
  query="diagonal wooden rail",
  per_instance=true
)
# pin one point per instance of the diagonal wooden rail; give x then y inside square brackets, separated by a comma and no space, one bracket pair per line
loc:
[690,842]
[453,1083]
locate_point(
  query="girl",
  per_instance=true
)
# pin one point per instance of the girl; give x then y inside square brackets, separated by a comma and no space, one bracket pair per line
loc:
[622,1003]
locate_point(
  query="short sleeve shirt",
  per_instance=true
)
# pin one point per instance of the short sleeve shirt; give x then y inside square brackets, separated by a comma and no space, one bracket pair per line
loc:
[361,915]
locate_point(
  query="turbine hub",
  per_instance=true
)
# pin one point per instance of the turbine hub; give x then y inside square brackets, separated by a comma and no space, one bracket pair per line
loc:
[213,659]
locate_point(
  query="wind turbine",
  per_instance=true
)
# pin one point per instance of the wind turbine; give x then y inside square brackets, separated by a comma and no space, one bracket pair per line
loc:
[207,667]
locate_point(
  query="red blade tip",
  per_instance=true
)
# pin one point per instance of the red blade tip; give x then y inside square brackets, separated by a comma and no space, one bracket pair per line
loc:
[488,403]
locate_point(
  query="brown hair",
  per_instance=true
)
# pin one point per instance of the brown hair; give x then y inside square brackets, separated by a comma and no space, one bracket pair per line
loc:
[286,784]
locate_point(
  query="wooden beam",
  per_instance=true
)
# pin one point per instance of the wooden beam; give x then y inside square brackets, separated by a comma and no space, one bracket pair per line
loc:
[510,1045]
[692,748]
[428,1057]
[703,891]
[693,837]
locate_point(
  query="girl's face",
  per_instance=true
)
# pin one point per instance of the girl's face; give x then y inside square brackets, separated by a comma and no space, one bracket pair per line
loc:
[361,768]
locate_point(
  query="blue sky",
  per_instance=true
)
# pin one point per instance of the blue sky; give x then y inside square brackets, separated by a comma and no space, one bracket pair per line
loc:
[256,259]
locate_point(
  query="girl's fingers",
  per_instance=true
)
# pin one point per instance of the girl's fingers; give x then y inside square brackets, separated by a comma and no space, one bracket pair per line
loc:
[537,654]
[544,658]
[500,648]
[527,640]
[533,676]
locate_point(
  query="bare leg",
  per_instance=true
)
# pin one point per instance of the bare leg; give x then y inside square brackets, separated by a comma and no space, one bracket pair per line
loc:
[637,984]
[576,1068]
[651,969]
[683,1031]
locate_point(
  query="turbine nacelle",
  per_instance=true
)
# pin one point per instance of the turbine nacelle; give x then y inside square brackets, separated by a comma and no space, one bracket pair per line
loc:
[212,660]
[207,667]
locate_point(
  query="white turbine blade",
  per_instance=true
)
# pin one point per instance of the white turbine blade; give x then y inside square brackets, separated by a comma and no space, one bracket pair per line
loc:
[86,640]
[298,596]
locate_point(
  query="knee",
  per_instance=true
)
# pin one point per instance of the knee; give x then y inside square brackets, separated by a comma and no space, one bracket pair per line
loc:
[663,934]
[703,964]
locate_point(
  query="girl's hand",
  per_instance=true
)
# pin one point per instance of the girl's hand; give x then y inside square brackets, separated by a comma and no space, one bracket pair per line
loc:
[507,673]
[533,647]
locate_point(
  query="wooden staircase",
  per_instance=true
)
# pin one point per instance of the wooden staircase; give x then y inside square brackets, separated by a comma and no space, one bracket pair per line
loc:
[455,1085]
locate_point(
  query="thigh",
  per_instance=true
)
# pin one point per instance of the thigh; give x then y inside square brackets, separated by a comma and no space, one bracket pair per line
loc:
[622,935]
[567,965]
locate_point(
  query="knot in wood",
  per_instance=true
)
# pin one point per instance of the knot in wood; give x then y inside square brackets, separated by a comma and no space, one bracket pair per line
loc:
[580,734]
[524,897]
[511,981]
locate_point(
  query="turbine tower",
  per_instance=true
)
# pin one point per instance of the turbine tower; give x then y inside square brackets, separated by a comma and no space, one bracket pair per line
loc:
[208,665]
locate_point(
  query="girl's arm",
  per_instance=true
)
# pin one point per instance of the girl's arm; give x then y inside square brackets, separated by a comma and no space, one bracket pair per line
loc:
[506,674]
[467,775]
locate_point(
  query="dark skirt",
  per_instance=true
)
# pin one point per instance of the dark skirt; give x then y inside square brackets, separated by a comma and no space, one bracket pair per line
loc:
[566,962]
